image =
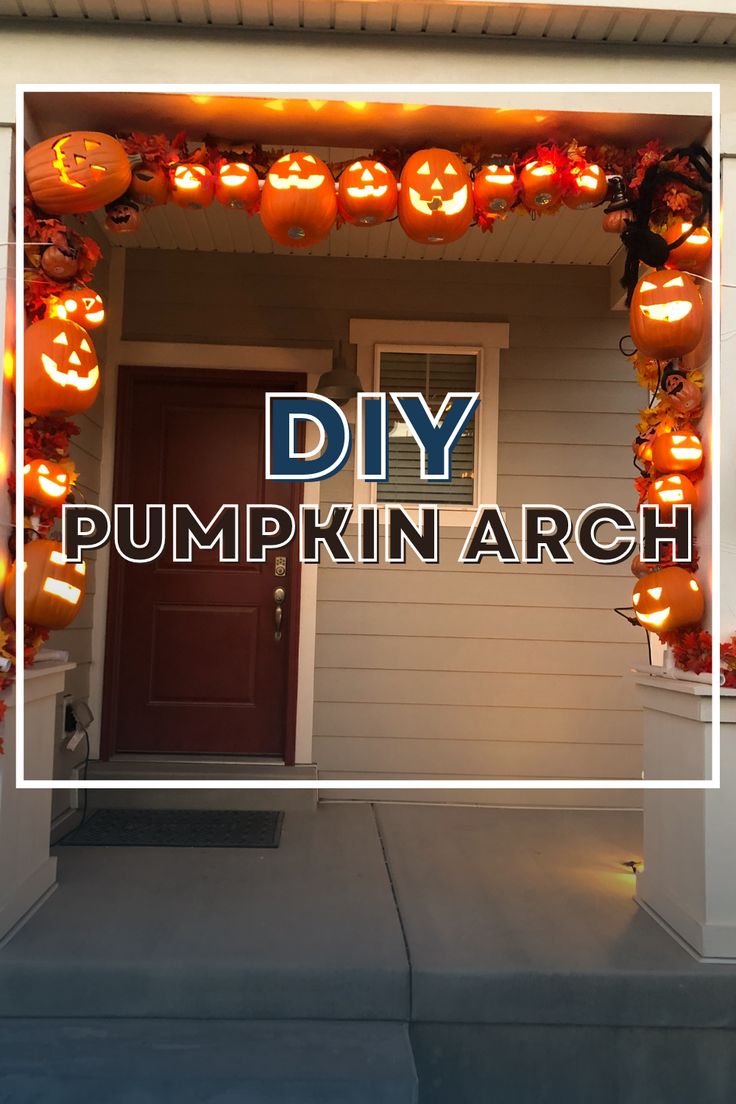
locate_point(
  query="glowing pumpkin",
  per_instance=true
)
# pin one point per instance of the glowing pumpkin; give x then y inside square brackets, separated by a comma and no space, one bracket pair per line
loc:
[589,187]
[47,481]
[82,305]
[192,185]
[149,185]
[76,172]
[668,599]
[367,193]
[642,446]
[298,201]
[236,185]
[541,185]
[695,251]
[669,491]
[494,189]
[666,315]
[62,375]
[54,588]
[680,451]
[436,197]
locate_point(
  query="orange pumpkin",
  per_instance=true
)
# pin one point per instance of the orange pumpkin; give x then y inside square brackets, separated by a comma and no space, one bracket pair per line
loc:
[668,599]
[367,193]
[615,222]
[47,481]
[669,491]
[192,185]
[149,185]
[679,451]
[54,588]
[82,305]
[76,172]
[695,251]
[666,315]
[494,189]
[236,185]
[642,446]
[62,375]
[60,263]
[298,201]
[436,197]
[589,187]
[541,186]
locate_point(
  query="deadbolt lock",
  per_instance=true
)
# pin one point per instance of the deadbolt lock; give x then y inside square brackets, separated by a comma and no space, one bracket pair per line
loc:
[279,567]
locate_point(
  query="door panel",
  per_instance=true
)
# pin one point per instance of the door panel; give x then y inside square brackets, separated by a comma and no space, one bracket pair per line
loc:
[193,665]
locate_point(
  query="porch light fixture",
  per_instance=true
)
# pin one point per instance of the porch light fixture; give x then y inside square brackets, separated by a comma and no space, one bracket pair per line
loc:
[341,383]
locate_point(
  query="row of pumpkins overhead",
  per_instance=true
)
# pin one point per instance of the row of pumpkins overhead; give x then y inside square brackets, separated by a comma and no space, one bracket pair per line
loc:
[299,200]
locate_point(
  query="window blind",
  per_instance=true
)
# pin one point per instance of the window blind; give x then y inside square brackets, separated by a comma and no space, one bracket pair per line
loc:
[433,375]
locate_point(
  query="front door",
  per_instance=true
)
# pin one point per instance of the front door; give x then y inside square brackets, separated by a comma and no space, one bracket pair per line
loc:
[194,664]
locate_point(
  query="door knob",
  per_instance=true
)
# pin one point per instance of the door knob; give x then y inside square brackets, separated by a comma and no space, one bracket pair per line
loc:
[279,595]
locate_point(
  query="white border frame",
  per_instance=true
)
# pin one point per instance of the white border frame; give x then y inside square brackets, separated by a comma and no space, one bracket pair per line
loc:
[341,91]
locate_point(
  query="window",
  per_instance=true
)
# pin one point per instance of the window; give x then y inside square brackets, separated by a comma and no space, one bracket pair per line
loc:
[433,374]
[433,358]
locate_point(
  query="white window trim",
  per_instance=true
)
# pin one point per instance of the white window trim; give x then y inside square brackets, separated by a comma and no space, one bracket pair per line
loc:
[372,336]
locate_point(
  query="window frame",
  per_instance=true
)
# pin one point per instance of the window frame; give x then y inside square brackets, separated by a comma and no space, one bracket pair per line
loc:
[480,339]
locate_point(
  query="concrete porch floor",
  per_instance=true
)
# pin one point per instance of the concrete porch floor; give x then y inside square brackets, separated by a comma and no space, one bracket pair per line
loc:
[504,944]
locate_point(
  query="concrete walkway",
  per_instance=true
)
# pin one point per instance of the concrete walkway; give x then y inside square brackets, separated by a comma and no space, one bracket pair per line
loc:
[505,942]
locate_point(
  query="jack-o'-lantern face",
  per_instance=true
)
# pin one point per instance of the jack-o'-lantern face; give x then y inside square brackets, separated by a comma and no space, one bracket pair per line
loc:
[298,201]
[62,374]
[694,253]
[680,451]
[668,599]
[192,185]
[589,187]
[46,481]
[75,160]
[77,171]
[367,193]
[541,186]
[149,185]
[84,306]
[54,588]
[672,490]
[236,185]
[666,314]
[435,202]
[123,217]
[494,189]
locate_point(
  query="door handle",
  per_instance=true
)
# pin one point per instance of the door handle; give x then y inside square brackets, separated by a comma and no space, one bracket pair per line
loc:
[279,596]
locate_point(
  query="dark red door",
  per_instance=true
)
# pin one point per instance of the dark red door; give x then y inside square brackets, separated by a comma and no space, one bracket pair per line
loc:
[193,662]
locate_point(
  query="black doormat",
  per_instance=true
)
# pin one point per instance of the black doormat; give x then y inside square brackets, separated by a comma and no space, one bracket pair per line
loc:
[177,828]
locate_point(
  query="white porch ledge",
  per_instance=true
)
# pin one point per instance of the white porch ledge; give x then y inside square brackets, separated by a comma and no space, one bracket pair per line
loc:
[689,877]
[27,872]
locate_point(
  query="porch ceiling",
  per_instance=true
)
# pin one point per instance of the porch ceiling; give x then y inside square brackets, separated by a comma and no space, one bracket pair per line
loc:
[696,22]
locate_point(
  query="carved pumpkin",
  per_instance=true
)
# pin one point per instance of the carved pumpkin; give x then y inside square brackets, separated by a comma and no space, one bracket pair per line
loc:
[62,375]
[149,185]
[669,491]
[695,251]
[236,185]
[192,185]
[436,197]
[494,189]
[60,263]
[123,217]
[76,172]
[54,588]
[47,481]
[367,193]
[666,314]
[679,451]
[642,446]
[668,599]
[82,305]
[541,185]
[589,187]
[298,201]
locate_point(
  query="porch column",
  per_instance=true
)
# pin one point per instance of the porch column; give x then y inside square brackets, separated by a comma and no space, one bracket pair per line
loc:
[689,878]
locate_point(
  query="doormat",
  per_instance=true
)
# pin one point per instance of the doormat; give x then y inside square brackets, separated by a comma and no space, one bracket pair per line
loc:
[177,828]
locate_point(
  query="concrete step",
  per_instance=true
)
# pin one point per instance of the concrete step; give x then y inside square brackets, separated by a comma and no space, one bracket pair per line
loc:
[269,794]
[205,1062]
